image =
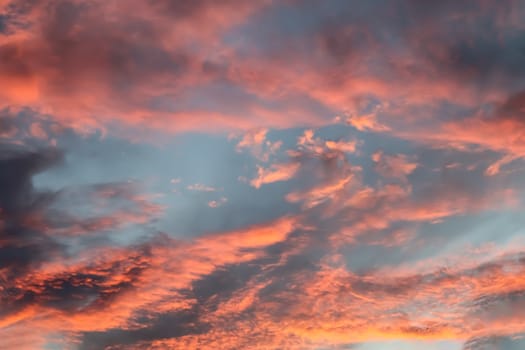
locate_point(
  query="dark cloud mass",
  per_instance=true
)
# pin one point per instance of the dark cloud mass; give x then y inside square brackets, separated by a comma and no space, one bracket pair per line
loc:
[18,200]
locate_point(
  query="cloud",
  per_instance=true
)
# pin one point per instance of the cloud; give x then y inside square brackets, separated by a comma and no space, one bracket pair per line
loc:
[252,139]
[125,282]
[342,308]
[201,188]
[255,141]
[270,284]
[275,173]
[119,205]
[135,57]
[366,122]
[320,194]
[217,203]
[330,148]
[394,166]
[397,222]
[30,243]
[20,246]
[160,78]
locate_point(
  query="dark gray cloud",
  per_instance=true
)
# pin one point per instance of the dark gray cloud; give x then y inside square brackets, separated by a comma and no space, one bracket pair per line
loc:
[8,124]
[208,291]
[20,245]
[513,108]
[88,288]
[25,246]
[169,325]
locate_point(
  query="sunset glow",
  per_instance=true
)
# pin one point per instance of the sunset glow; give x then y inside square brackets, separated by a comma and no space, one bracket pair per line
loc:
[281,175]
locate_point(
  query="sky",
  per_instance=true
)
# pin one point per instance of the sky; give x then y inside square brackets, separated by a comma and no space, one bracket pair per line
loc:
[288,175]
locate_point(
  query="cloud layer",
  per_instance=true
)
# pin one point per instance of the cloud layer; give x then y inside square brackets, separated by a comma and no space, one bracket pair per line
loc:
[262,175]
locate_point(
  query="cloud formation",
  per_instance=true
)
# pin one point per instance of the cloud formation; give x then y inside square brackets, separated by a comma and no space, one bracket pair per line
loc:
[261,175]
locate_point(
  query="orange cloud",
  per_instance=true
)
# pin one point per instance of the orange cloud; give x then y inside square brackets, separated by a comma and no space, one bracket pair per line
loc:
[320,194]
[275,173]
[366,122]
[140,54]
[255,141]
[328,148]
[334,306]
[121,282]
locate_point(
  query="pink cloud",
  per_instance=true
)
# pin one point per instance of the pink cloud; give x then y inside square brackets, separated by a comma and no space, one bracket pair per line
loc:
[274,173]
[394,166]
